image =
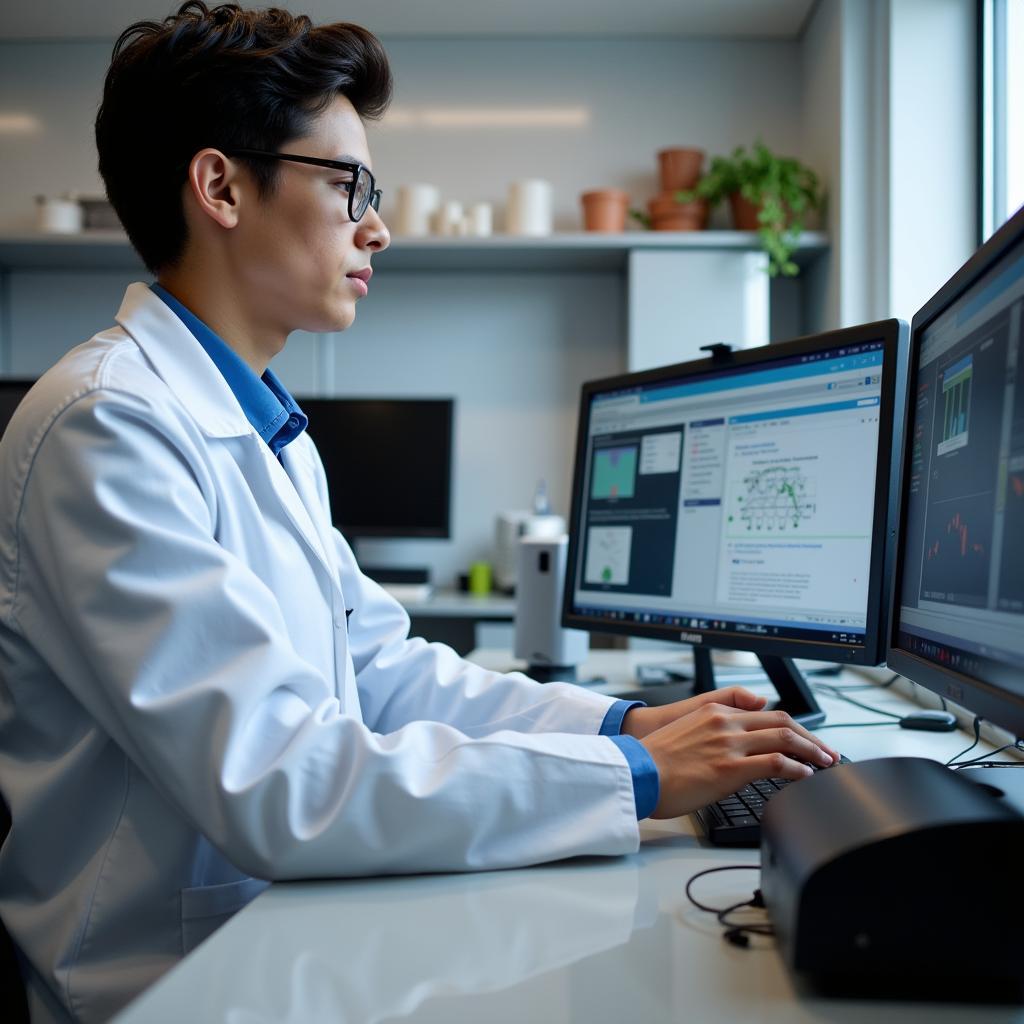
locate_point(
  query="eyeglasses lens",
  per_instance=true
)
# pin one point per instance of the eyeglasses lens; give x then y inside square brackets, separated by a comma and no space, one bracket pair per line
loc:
[360,193]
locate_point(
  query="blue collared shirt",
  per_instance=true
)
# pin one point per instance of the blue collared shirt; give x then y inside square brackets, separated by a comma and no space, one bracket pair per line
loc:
[277,418]
[646,787]
[267,405]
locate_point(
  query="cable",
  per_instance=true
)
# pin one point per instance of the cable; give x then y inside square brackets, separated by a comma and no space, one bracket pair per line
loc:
[984,760]
[854,687]
[952,762]
[833,691]
[735,933]
[849,725]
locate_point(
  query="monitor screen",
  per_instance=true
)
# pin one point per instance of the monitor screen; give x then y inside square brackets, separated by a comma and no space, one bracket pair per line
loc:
[740,505]
[388,463]
[958,623]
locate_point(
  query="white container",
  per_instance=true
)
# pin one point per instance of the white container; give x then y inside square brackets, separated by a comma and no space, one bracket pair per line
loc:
[481,220]
[417,205]
[530,208]
[448,219]
[59,215]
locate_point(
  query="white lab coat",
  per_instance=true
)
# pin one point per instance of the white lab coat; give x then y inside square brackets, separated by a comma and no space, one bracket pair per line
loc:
[200,690]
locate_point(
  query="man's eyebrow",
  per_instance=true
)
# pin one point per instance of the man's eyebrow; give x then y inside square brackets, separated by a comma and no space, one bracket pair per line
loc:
[347,158]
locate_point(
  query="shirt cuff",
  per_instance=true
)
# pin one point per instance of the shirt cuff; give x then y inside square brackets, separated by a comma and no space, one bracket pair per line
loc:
[646,786]
[612,724]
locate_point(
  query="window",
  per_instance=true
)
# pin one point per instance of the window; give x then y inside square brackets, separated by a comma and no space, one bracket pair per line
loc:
[1002,111]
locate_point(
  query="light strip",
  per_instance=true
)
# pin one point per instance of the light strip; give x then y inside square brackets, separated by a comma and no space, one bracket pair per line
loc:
[19,124]
[487,117]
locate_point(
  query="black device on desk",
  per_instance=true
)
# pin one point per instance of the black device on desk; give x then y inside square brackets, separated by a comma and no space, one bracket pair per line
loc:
[901,876]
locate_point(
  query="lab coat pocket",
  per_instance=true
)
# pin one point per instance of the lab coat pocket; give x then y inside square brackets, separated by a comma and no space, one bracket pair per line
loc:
[205,908]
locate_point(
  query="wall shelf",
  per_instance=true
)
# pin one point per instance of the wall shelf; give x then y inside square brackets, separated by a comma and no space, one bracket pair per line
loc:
[565,252]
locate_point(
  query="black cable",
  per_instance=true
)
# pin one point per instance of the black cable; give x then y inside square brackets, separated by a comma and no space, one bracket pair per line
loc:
[837,693]
[985,759]
[952,762]
[849,725]
[735,932]
[988,764]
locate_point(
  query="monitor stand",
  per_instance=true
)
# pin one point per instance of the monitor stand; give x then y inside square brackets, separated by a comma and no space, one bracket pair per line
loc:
[795,695]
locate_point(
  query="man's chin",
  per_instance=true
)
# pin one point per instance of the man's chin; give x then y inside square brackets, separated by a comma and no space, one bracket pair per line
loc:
[337,317]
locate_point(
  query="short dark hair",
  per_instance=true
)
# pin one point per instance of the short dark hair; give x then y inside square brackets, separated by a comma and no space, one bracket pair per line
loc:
[223,77]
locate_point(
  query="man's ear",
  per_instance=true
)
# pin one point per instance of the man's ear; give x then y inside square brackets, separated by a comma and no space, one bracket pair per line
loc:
[214,182]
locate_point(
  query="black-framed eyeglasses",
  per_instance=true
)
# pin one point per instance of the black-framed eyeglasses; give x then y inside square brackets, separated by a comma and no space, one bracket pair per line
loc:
[362,189]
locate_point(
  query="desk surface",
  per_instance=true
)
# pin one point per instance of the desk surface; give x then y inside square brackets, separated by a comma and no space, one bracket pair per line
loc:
[582,941]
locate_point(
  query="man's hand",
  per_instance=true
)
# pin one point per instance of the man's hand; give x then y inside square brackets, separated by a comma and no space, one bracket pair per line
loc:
[641,722]
[716,748]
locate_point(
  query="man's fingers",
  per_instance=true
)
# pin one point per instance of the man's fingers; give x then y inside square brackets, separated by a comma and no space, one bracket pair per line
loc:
[787,741]
[756,720]
[775,766]
[738,697]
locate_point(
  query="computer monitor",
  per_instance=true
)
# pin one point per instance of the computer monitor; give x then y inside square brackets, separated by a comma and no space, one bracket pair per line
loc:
[741,502]
[388,463]
[12,391]
[958,585]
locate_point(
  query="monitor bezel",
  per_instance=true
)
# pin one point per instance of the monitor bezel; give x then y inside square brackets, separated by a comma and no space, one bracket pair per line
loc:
[990,700]
[893,335]
[357,531]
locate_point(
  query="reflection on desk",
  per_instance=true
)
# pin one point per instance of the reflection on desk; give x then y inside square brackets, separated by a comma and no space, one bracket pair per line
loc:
[581,942]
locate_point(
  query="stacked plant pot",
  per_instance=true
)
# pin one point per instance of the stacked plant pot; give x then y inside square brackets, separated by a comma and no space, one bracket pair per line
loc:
[679,169]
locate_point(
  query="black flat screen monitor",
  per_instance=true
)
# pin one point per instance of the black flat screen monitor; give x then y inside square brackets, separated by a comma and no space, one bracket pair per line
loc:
[12,391]
[388,463]
[958,586]
[742,503]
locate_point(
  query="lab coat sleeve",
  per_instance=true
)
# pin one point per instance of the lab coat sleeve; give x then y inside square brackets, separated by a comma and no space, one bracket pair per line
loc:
[180,653]
[403,679]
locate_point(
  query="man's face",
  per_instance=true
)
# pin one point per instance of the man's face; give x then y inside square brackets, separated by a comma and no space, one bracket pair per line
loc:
[297,250]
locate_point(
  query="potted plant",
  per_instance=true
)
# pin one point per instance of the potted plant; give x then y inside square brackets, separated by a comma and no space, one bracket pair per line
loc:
[769,194]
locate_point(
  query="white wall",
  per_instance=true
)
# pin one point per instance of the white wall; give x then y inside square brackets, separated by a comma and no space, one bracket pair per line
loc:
[512,348]
[634,97]
[888,90]
[932,171]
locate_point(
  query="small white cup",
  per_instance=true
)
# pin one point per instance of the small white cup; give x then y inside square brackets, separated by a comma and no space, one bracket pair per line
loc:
[417,204]
[448,219]
[530,208]
[59,215]
[481,220]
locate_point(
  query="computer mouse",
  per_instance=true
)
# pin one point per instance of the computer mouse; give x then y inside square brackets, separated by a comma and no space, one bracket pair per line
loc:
[932,721]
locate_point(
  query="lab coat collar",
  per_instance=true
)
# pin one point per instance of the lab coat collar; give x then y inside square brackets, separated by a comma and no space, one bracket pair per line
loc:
[182,363]
[199,385]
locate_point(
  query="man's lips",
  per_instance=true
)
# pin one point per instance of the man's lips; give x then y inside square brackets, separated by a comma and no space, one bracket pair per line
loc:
[363,278]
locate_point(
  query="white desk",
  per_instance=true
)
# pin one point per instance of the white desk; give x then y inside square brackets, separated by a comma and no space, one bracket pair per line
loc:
[590,940]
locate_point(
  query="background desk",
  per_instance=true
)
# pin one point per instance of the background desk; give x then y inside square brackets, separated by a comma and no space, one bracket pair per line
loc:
[590,940]
[462,620]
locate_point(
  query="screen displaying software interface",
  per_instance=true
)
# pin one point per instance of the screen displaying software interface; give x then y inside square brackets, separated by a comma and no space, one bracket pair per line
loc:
[962,589]
[737,501]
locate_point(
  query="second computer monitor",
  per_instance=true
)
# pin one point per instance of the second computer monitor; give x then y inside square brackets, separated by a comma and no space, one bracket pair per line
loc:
[741,503]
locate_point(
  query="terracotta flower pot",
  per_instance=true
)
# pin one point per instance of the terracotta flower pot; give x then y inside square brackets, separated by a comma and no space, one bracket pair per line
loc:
[667,214]
[744,213]
[605,209]
[679,168]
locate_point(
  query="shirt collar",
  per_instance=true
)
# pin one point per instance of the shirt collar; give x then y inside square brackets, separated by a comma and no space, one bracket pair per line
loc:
[269,408]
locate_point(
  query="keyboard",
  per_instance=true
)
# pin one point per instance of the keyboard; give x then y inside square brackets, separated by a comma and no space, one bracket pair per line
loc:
[735,820]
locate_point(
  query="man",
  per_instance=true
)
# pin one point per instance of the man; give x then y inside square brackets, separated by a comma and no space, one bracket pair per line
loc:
[201,692]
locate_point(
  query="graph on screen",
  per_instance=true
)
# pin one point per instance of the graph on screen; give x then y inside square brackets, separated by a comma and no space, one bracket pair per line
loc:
[776,499]
[614,472]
